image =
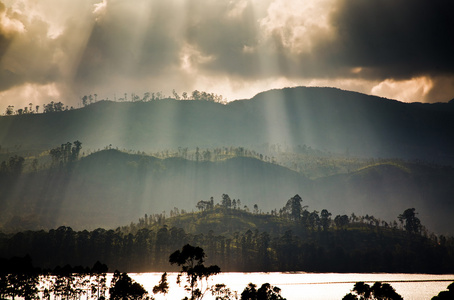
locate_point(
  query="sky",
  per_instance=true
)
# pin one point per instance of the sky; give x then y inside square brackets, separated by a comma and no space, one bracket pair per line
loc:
[62,50]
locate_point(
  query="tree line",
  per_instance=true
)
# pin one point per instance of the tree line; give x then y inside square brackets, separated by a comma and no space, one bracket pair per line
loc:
[46,108]
[86,100]
[154,96]
[19,278]
[284,242]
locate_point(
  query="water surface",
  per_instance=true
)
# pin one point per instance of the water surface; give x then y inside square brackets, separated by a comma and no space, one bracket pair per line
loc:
[313,286]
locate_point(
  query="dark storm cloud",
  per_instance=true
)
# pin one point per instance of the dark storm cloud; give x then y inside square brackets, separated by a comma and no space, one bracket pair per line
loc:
[397,39]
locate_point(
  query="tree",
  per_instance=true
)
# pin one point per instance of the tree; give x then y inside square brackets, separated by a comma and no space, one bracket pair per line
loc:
[163,286]
[445,295]
[265,292]
[13,166]
[341,221]
[191,261]
[124,288]
[76,150]
[205,205]
[412,223]
[196,95]
[325,219]
[146,96]
[221,292]
[226,201]
[9,110]
[249,292]
[175,95]
[294,208]
[378,291]
[98,285]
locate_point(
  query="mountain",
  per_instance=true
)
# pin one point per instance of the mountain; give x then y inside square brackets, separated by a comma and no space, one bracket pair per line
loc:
[110,188]
[324,118]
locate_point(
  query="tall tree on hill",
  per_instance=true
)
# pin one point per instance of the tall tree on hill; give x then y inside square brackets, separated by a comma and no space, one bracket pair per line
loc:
[325,219]
[412,223]
[226,201]
[294,207]
[76,150]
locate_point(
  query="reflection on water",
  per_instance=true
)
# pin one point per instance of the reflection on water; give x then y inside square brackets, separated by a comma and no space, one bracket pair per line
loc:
[312,286]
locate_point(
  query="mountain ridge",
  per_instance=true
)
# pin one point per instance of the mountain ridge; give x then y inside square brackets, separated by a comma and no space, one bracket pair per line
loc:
[323,118]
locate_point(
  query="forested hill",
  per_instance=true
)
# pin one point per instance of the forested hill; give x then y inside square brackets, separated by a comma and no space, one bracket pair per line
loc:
[295,239]
[323,118]
[110,188]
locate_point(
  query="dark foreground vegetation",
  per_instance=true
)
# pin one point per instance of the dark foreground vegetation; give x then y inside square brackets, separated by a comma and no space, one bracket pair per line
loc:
[19,278]
[289,239]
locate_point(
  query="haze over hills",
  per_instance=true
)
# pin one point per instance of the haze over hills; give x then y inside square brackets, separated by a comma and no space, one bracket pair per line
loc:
[323,118]
[111,188]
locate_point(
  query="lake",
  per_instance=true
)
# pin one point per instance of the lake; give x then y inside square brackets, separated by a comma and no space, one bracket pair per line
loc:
[312,286]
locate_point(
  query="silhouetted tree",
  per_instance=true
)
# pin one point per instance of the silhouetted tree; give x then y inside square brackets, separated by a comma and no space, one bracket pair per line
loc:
[412,223]
[341,221]
[294,207]
[378,291]
[325,219]
[191,261]
[221,292]
[265,292]
[9,110]
[124,288]
[446,295]
[226,201]
[163,286]
[98,285]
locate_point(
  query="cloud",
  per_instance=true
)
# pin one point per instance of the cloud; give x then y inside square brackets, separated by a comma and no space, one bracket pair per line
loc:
[37,49]
[395,39]
[117,46]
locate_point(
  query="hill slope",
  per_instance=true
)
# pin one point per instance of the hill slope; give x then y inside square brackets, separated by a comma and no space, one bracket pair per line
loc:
[111,188]
[324,118]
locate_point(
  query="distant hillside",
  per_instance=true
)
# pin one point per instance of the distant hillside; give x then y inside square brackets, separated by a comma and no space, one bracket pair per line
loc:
[238,241]
[110,188]
[323,118]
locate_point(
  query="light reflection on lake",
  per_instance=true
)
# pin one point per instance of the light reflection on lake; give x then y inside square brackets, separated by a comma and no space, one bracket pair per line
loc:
[311,286]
